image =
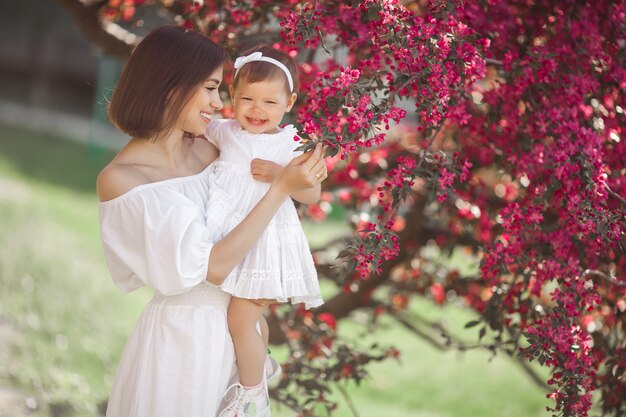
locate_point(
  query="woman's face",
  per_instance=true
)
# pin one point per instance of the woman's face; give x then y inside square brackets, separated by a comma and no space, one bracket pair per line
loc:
[203,103]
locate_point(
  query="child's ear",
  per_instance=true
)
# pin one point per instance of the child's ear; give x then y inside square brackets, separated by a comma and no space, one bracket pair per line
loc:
[232,92]
[291,101]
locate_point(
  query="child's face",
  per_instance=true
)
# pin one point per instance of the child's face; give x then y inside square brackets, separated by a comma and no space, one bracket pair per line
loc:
[259,107]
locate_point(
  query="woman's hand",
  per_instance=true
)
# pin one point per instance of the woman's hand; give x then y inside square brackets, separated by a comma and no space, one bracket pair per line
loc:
[265,171]
[304,171]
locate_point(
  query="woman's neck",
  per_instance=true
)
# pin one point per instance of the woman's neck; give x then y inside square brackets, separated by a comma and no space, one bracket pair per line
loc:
[172,152]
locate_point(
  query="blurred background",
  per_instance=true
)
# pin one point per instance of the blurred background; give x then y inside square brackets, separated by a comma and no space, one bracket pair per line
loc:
[62,322]
[51,79]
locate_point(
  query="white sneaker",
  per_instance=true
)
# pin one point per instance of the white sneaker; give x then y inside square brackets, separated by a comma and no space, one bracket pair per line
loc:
[246,402]
[273,371]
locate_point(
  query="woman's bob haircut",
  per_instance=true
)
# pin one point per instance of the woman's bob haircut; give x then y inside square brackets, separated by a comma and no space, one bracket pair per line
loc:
[161,75]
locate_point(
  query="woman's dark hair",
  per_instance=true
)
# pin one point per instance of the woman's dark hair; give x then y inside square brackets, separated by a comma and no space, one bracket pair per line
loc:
[257,71]
[162,73]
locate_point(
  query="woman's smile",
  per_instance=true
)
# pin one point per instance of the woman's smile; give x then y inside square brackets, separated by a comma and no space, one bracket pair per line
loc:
[206,116]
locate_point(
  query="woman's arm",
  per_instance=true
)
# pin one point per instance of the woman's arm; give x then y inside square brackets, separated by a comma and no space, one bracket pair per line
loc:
[266,171]
[299,174]
[308,196]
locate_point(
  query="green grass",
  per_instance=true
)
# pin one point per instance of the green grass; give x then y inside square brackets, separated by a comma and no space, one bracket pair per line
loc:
[63,324]
[63,319]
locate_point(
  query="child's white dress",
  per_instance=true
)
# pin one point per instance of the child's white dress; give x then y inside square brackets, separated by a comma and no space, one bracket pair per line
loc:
[279,266]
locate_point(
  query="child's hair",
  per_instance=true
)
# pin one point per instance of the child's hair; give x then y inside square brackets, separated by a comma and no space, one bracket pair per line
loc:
[162,73]
[257,71]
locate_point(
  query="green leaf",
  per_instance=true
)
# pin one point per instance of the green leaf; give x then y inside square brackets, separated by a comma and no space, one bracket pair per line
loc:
[373,11]
[482,333]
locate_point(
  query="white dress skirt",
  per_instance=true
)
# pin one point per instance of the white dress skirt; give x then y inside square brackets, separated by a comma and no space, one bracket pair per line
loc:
[179,359]
[279,266]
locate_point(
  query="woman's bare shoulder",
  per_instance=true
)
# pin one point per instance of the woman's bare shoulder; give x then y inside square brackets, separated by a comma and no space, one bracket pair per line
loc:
[117,179]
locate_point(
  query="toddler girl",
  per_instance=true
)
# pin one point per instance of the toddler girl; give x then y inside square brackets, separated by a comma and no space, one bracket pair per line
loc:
[279,268]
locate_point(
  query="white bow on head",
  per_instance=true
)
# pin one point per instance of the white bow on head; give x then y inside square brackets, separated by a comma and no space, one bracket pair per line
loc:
[254,56]
[258,56]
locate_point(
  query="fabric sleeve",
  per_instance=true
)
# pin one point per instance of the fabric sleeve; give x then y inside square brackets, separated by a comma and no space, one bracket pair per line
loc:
[157,238]
[213,133]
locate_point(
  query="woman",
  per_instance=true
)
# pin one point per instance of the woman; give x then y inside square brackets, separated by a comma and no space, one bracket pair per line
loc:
[179,359]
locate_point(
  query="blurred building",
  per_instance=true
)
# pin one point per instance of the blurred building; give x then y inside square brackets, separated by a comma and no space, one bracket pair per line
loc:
[51,78]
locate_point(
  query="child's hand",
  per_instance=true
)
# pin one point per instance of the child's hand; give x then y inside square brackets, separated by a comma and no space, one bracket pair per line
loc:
[265,171]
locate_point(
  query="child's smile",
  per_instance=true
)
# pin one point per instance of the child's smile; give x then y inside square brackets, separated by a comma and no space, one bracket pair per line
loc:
[256,122]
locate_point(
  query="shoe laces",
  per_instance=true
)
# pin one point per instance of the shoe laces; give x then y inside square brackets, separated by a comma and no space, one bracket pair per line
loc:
[234,395]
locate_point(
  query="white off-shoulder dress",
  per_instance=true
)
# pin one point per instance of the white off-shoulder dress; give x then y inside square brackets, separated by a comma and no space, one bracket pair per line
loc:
[279,266]
[179,359]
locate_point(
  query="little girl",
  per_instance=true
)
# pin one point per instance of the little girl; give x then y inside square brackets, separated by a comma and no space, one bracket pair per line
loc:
[279,268]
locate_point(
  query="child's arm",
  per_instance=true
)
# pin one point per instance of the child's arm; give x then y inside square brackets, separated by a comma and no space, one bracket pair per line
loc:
[266,171]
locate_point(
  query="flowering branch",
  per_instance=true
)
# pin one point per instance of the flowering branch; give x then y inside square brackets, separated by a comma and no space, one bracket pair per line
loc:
[615,195]
[605,277]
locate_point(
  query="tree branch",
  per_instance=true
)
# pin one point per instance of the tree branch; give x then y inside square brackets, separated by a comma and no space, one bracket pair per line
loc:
[343,303]
[615,195]
[428,232]
[418,332]
[348,400]
[111,38]
[459,345]
[492,61]
[605,277]
[525,365]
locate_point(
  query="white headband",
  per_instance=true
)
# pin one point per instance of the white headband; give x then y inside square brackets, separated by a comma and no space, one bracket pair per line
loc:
[258,56]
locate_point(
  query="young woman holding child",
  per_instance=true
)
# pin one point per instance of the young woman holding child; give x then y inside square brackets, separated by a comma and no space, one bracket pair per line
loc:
[155,202]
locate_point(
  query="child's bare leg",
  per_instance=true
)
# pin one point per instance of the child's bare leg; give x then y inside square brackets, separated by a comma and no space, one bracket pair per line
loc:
[250,348]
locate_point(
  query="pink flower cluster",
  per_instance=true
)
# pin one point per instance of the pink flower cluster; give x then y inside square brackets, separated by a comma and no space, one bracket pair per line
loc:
[567,349]
[416,62]
[383,239]
[538,126]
